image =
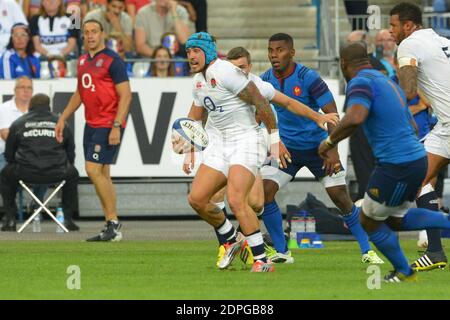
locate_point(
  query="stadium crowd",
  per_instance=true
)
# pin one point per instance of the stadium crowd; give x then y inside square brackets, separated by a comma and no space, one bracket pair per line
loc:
[40,39]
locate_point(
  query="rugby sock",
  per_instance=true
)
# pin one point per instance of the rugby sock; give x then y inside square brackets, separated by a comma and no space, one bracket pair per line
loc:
[418,219]
[386,241]
[274,224]
[227,230]
[220,238]
[352,221]
[428,200]
[256,243]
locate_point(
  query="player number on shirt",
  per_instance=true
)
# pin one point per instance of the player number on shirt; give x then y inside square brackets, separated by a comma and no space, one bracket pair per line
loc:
[211,106]
[446,51]
[86,81]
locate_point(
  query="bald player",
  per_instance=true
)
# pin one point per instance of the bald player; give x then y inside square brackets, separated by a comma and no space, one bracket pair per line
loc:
[379,105]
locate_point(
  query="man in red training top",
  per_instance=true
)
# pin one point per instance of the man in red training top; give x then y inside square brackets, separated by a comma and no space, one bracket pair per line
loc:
[104,89]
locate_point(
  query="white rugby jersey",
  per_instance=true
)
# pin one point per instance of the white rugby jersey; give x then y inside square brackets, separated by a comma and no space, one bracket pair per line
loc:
[218,94]
[431,54]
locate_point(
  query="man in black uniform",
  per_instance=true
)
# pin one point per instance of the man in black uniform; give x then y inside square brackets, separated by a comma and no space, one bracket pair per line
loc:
[34,156]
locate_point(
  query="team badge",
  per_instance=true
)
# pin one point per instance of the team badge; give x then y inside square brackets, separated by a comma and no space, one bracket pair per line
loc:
[82,62]
[297,91]
[375,192]
[63,26]
[99,63]
[97,148]
[198,85]
[4,13]
[213,83]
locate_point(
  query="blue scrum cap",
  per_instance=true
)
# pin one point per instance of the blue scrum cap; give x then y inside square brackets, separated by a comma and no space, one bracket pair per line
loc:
[205,42]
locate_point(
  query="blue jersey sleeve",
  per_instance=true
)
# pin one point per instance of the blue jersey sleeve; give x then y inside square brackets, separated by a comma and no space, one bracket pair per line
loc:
[118,71]
[318,89]
[360,92]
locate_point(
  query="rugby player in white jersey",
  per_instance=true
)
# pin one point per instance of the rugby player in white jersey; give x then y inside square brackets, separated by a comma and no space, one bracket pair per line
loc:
[236,148]
[424,61]
[241,58]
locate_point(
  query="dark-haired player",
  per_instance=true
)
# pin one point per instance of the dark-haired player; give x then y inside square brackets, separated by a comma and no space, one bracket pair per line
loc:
[104,89]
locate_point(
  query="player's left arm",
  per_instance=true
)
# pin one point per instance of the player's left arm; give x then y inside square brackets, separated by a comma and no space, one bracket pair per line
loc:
[252,96]
[319,91]
[124,92]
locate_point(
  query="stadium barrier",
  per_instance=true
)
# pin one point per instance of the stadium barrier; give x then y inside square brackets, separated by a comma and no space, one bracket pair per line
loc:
[146,149]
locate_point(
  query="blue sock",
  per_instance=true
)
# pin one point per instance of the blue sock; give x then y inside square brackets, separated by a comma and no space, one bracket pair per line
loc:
[418,219]
[274,224]
[352,222]
[386,241]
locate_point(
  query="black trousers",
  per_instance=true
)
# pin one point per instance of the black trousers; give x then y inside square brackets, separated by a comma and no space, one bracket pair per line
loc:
[12,173]
[363,160]
[357,7]
[201,9]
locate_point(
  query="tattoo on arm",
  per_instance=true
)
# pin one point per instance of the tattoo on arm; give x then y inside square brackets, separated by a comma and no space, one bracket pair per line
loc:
[408,81]
[252,96]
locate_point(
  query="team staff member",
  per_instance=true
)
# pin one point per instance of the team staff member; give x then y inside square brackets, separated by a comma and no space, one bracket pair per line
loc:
[104,89]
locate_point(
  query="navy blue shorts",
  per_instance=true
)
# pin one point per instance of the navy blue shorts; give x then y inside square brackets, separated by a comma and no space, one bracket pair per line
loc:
[96,146]
[394,184]
[309,159]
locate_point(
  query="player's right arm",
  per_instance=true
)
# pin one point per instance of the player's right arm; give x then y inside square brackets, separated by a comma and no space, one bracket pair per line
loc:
[72,106]
[303,110]
[195,113]
[408,56]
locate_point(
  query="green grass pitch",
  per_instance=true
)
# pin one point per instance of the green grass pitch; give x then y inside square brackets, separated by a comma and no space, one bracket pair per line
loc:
[186,270]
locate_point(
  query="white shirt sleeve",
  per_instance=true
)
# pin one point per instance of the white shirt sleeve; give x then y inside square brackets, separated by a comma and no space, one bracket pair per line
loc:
[17,13]
[265,88]
[232,78]
[4,118]
[410,53]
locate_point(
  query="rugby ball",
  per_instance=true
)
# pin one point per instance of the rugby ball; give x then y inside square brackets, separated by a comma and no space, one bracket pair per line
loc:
[191,131]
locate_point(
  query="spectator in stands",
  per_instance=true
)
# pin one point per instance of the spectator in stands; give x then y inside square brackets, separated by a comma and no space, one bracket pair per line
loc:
[161,68]
[114,43]
[177,51]
[34,155]
[154,20]
[10,14]
[19,59]
[50,30]
[114,19]
[133,7]
[57,66]
[362,36]
[13,109]
[197,10]
[385,49]
[35,5]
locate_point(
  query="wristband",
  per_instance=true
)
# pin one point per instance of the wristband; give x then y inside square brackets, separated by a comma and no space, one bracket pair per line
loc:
[329,142]
[275,136]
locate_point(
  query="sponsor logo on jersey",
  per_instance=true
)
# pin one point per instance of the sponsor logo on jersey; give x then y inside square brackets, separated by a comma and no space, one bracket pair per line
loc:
[297,91]
[213,83]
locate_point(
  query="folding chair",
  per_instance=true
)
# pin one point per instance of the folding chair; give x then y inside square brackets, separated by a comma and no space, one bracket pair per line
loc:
[42,205]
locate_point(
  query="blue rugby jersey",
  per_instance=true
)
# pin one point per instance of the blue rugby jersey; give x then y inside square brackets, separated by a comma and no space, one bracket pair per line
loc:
[306,86]
[388,127]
